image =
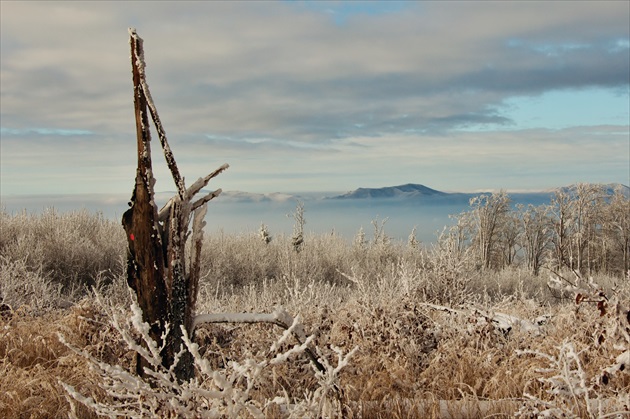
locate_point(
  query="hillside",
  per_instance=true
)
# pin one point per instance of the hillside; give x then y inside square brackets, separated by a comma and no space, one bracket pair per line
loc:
[409,190]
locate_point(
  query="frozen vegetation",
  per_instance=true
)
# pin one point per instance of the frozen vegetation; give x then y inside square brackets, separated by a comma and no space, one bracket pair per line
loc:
[513,312]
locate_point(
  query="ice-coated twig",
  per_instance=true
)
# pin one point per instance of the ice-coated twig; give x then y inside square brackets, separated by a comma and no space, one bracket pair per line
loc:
[286,334]
[202,182]
[206,199]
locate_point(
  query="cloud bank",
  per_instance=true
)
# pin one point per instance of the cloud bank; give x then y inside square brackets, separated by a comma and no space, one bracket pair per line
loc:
[315,96]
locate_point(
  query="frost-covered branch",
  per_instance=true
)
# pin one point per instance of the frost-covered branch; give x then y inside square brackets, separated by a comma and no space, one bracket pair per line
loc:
[206,199]
[279,317]
[191,191]
[572,388]
[202,182]
[226,392]
[568,384]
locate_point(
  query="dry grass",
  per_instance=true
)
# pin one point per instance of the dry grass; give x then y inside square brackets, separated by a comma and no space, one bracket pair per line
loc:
[414,360]
[409,359]
[32,360]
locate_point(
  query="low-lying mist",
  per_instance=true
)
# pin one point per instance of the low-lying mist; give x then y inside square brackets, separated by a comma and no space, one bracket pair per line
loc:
[236,215]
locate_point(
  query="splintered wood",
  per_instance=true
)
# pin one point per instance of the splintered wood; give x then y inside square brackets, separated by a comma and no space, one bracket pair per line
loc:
[156,265]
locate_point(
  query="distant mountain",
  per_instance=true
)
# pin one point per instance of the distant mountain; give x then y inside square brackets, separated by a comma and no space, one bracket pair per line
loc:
[410,190]
[625,190]
[610,189]
[417,191]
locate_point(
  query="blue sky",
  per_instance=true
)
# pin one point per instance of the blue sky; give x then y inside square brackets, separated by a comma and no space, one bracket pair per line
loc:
[318,96]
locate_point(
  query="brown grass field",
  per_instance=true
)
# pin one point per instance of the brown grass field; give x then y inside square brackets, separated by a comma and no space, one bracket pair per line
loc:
[432,332]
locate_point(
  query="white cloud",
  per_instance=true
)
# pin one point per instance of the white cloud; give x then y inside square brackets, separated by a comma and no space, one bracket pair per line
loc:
[282,91]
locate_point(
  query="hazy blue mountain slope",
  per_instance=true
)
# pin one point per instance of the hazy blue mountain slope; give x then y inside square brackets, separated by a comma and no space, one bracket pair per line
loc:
[409,190]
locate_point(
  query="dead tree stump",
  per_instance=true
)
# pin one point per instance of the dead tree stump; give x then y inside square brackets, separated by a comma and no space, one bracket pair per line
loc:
[156,260]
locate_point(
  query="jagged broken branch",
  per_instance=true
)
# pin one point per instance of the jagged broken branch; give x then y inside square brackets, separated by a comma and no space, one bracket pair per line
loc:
[192,191]
[168,154]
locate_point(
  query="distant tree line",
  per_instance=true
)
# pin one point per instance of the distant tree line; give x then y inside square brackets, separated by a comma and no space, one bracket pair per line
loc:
[585,227]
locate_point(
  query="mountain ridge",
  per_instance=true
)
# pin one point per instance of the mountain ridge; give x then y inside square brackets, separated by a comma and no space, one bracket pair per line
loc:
[414,190]
[408,191]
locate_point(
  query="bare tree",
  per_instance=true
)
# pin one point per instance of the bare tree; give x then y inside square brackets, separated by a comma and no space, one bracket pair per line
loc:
[585,228]
[616,226]
[489,215]
[509,240]
[587,219]
[589,225]
[560,210]
[535,234]
[166,290]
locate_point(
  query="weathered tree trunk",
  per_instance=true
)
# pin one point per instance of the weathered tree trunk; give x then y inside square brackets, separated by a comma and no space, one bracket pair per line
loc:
[145,259]
[156,264]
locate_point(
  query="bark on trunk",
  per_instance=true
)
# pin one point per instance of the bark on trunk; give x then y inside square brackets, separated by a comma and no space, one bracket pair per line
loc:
[156,263]
[145,258]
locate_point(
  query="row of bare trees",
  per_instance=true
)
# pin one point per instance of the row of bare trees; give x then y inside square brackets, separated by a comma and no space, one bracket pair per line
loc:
[585,227]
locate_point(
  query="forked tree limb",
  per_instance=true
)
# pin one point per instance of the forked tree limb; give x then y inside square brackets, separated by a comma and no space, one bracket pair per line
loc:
[202,182]
[192,191]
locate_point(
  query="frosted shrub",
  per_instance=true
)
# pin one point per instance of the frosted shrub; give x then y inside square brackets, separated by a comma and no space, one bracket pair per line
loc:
[238,260]
[412,241]
[297,240]
[401,279]
[359,242]
[449,267]
[319,260]
[573,389]
[380,238]
[264,234]
[432,330]
[72,248]
[29,289]
[244,259]
[232,391]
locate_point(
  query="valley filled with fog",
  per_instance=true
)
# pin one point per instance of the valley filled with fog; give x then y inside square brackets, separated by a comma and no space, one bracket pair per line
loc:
[401,208]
